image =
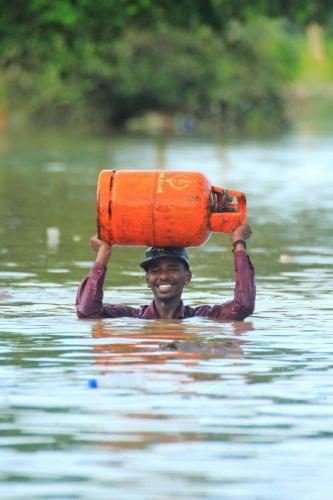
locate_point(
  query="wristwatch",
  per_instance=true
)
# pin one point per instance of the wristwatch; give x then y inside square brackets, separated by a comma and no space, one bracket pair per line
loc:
[235,243]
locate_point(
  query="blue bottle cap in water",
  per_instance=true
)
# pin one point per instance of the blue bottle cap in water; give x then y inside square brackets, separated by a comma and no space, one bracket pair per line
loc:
[92,383]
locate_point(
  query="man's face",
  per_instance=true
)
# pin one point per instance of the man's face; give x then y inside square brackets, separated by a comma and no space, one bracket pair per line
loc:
[166,277]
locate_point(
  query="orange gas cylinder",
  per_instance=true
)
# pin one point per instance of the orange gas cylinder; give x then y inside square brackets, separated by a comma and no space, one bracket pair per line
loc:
[164,208]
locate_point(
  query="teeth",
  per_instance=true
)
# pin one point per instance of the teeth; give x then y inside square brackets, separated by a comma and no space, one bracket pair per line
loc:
[164,287]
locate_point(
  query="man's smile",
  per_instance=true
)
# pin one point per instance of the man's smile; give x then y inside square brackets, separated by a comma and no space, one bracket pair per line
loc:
[166,277]
[164,287]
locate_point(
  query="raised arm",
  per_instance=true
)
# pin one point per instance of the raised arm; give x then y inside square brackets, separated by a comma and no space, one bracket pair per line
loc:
[103,250]
[245,288]
[243,302]
[89,299]
[239,237]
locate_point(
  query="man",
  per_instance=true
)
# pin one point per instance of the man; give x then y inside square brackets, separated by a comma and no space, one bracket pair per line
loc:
[167,272]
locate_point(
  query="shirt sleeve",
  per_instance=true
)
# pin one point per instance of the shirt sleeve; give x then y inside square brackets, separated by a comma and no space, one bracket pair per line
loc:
[243,302]
[89,299]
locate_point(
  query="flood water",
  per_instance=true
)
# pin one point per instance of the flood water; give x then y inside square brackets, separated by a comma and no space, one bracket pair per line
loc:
[182,409]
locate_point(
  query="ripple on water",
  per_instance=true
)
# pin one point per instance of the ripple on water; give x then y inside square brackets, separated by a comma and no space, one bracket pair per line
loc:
[184,409]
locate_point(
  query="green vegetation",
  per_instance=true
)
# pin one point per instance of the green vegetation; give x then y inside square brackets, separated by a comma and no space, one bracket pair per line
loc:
[239,66]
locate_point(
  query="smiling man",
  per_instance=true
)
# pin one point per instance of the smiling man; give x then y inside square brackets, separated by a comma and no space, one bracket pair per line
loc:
[167,272]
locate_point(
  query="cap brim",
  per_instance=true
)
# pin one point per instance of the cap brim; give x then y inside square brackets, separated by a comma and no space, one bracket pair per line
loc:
[146,263]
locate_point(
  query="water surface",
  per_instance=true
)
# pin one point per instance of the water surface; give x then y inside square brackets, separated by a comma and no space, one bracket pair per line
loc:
[182,409]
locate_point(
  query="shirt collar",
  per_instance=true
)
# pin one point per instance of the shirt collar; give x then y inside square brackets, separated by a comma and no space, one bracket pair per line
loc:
[151,313]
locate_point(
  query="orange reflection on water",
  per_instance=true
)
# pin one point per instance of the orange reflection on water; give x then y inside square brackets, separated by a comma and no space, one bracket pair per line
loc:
[119,345]
[156,342]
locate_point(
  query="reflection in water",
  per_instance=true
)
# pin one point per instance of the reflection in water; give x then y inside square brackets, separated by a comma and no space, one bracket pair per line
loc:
[192,409]
[129,356]
[159,341]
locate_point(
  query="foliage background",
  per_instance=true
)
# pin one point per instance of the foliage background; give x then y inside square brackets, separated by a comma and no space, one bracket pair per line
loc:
[240,67]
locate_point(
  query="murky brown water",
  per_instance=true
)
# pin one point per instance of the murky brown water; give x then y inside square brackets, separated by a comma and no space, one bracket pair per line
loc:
[192,409]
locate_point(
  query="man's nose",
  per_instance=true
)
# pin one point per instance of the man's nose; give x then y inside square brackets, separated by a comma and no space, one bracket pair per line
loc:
[164,273]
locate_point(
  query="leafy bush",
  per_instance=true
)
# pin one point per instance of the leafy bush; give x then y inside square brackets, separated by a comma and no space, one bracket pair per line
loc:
[234,79]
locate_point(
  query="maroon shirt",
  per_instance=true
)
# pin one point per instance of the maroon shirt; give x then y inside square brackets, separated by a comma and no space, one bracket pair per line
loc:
[90,296]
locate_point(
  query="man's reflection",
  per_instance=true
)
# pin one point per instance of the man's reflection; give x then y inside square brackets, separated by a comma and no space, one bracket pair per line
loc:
[152,347]
[160,341]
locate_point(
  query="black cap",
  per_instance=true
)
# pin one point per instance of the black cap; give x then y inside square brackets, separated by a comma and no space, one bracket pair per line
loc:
[153,253]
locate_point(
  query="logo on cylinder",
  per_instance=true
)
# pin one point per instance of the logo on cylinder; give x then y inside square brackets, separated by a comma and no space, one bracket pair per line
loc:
[179,182]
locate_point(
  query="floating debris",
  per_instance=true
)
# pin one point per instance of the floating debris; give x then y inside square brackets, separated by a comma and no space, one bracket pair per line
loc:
[92,383]
[285,259]
[52,237]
